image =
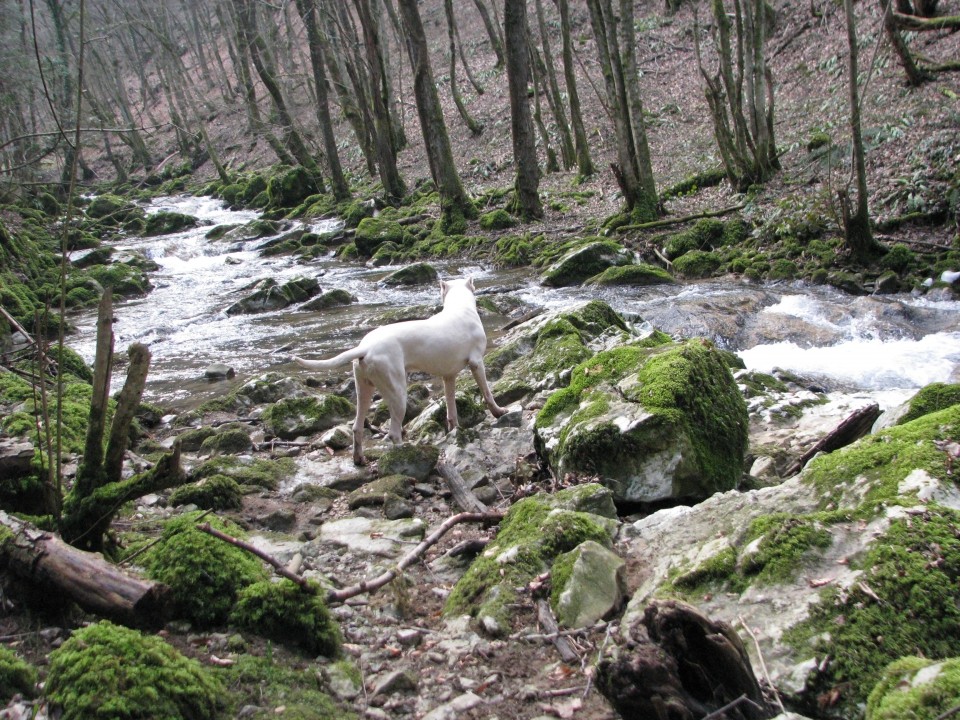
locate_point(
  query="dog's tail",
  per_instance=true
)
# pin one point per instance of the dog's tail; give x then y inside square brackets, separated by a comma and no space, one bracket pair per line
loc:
[341,359]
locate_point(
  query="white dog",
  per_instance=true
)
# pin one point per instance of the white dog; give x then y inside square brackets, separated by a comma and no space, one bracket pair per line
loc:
[442,345]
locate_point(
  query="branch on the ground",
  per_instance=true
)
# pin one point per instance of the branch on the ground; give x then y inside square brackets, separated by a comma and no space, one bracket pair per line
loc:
[679,220]
[851,429]
[567,652]
[365,585]
[411,557]
[912,22]
[462,495]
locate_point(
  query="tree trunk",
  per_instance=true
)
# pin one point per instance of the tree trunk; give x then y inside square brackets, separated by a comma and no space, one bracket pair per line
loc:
[475,128]
[584,163]
[393,186]
[567,152]
[86,578]
[915,76]
[856,220]
[90,471]
[493,32]
[537,71]
[307,10]
[526,201]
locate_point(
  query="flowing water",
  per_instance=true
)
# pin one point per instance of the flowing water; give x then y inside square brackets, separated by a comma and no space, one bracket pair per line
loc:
[885,347]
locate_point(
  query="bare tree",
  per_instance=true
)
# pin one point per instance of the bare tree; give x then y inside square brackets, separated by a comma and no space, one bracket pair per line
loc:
[584,162]
[474,127]
[553,95]
[526,201]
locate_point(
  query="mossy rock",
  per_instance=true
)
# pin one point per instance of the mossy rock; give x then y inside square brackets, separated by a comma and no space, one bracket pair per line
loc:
[329,299]
[291,418]
[705,234]
[16,675]
[291,187]
[108,672]
[656,423]
[697,264]
[205,574]
[933,397]
[217,492]
[227,442]
[376,491]
[637,275]
[192,440]
[97,256]
[518,250]
[497,220]
[417,461]
[532,534]
[373,232]
[916,688]
[271,296]
[166,223]
[416,274]
[261,472]
[285,613]
[113,210]
[590,258]
[126,280]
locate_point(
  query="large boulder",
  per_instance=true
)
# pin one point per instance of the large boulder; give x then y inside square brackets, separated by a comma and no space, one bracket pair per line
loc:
[272,296]
[291,418]
[654,424]
[585,261]
[373,232]
[838,571]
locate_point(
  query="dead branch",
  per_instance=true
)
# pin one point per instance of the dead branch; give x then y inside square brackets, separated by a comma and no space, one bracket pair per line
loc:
[680,220]
[270,560]
[411,557]
[851,429]
[561,642]
[462,495]
[912,22]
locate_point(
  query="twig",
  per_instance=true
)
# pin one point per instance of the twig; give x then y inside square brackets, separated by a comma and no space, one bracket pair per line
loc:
[562,643]
[763,664]
[462,495]
[150,544]
[729,706]
[411,557]
[272,561]
[603,645]
[560,633]
[949,713]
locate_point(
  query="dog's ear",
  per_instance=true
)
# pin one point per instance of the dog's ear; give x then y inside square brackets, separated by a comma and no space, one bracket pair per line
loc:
[443,290]
[470,284]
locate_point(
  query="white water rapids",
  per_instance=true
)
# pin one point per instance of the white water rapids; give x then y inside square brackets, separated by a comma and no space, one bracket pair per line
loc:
[885,348]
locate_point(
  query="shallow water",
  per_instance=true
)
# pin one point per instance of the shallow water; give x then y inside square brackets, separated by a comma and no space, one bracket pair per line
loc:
[887,346]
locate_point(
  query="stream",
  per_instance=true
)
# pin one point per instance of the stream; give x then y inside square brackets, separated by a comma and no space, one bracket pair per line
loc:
[881,347]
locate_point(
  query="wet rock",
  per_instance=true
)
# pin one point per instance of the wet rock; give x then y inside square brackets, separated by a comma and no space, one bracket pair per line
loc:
[416,461]
[219,371]
[291,418]
[589,583]
[376,492]
[396,508]
[368,536]
[269,388]
[329,299]
[373,232]
[636,275]
[113,210]
[166,223]
[271,296]
[655,423]
[585,261]
[280,520]
[416,274]
[338,438]
[16,457]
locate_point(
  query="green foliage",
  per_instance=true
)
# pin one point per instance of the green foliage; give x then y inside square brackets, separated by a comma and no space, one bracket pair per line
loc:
[906,603]
[284,612]
[204,573]
[217,492]
[933,397]
[901,693]
[109,672]
[16,675]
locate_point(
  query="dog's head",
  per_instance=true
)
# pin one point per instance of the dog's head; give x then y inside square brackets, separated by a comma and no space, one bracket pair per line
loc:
[447,285]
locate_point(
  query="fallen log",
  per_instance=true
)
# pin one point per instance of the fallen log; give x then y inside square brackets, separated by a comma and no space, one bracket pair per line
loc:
[851,429]
[93,583]
[462,495]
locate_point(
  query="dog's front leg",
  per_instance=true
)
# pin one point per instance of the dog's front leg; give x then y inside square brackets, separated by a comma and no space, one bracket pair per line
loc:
[450,393]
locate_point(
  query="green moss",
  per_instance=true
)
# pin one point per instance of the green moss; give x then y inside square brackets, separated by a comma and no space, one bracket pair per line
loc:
[284,612]
[899,258]
[292,417]
[263,682]
[125,280]
[373,232]
[165,223]
[906,602]
[16,675]
[901,694]
[532,534]
[931,398]
[227,442]
[784,540]
[375,492]
[290,187]
[108,672]
[705,234]
[497,220]
[718,569]
[217,492]
[518,250]
[632,275]
[694,183]
[697,264]
[262,472]
[879,462]
[204,573]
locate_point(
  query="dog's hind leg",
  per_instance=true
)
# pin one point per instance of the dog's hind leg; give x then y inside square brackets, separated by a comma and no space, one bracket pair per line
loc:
[365,390]
[450,394]
[479,373]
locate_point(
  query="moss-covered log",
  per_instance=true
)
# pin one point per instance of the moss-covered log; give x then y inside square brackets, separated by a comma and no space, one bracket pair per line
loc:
[86,578]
